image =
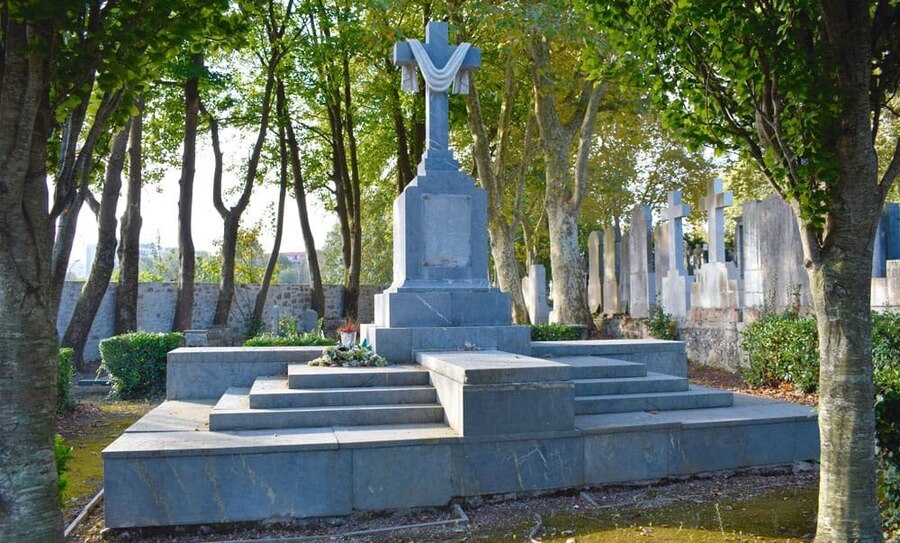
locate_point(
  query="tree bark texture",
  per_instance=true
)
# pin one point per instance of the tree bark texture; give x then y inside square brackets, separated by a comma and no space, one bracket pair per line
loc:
[105,260]
[839,264]
[184,300]
[29,507]
[565,181]
[129,251]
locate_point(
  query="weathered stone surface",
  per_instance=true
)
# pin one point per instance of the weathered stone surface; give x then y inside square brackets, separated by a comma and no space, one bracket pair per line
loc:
[399,345]
[642,280]
[774,275]
[595,272]
[490,393]
[612,271]
[534,290]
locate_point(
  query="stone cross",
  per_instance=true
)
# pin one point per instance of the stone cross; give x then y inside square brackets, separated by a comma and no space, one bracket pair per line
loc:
[716,201]
[675,213]
[441,56]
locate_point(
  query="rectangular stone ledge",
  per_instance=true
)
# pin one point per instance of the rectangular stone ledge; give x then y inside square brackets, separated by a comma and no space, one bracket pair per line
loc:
[169,491]
[205,373]
[660,356]
[493,367]
[201,443]
[399,345]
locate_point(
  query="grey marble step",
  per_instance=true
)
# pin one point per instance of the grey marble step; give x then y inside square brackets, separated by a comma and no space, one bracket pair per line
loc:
[598,367]
[651,383]
[233,412]
[693,398]
[273,392]
[305,376]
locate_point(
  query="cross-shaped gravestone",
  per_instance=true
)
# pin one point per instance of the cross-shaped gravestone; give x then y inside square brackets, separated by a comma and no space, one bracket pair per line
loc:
[675,213]
[716,202]
[441,64]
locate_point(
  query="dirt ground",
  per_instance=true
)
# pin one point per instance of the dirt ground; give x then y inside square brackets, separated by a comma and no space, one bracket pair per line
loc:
[506,517]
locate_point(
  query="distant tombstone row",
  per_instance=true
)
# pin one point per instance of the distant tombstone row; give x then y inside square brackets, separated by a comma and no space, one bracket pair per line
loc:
[633,271]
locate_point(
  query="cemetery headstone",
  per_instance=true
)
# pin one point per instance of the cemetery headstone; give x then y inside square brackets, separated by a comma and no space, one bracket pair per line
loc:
[612,243]
[534,289]
[640,259]
[595,272]
[675,294]
[773,256]
[717,284]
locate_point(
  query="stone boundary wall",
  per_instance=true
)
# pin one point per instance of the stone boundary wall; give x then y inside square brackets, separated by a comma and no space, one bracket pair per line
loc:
[156,308]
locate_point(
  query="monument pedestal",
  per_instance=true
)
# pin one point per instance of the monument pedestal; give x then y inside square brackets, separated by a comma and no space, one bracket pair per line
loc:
[399,345]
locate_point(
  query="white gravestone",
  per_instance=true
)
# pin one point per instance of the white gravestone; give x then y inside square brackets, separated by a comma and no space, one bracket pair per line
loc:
[534,289]
[612,269]
[676,285]
[717,285]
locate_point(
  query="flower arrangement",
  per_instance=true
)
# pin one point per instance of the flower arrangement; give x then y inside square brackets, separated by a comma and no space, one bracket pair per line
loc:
[349,325]
[360,355]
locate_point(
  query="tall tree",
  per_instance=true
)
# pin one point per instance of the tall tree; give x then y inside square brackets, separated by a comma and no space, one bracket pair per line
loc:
[129,251]
[274,25]
[331,36]
[566,147]
[184,301]
[263,292]
[29,507]
[101,270]
[317,296]
[803,88]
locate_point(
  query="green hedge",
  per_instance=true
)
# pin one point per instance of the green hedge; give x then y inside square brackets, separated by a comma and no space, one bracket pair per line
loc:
[555,331]
[65,382]
[785,349]
[136,362]
[290,340]
[782,348]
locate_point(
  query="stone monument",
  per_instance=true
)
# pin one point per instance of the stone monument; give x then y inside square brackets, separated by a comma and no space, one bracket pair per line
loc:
[717,285]
[440,297]
[676,285]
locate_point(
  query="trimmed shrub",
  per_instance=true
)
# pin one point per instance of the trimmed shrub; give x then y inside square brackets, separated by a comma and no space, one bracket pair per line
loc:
[661,325]
[136,362]
[65,382]
[292,340]
[782,348]
[554,331]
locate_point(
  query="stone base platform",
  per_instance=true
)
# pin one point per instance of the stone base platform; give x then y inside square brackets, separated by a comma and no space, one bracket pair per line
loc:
[510,424]
[169,469]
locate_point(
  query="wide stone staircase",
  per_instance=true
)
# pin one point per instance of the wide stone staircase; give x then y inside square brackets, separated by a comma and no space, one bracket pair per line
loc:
[316,397]
[608,385]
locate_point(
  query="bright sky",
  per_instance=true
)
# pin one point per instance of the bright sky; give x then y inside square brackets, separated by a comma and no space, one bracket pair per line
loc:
[159,209]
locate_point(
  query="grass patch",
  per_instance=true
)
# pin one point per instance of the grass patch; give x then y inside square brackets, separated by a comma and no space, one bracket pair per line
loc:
[88,430]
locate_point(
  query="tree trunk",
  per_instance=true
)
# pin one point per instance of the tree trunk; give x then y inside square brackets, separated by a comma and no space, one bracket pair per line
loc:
[130,237]
[29,506]
[80,182]
[232,217]
[184,301]
[263,293]
[317,296]
[495,182]
[98,282]
[566,183]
